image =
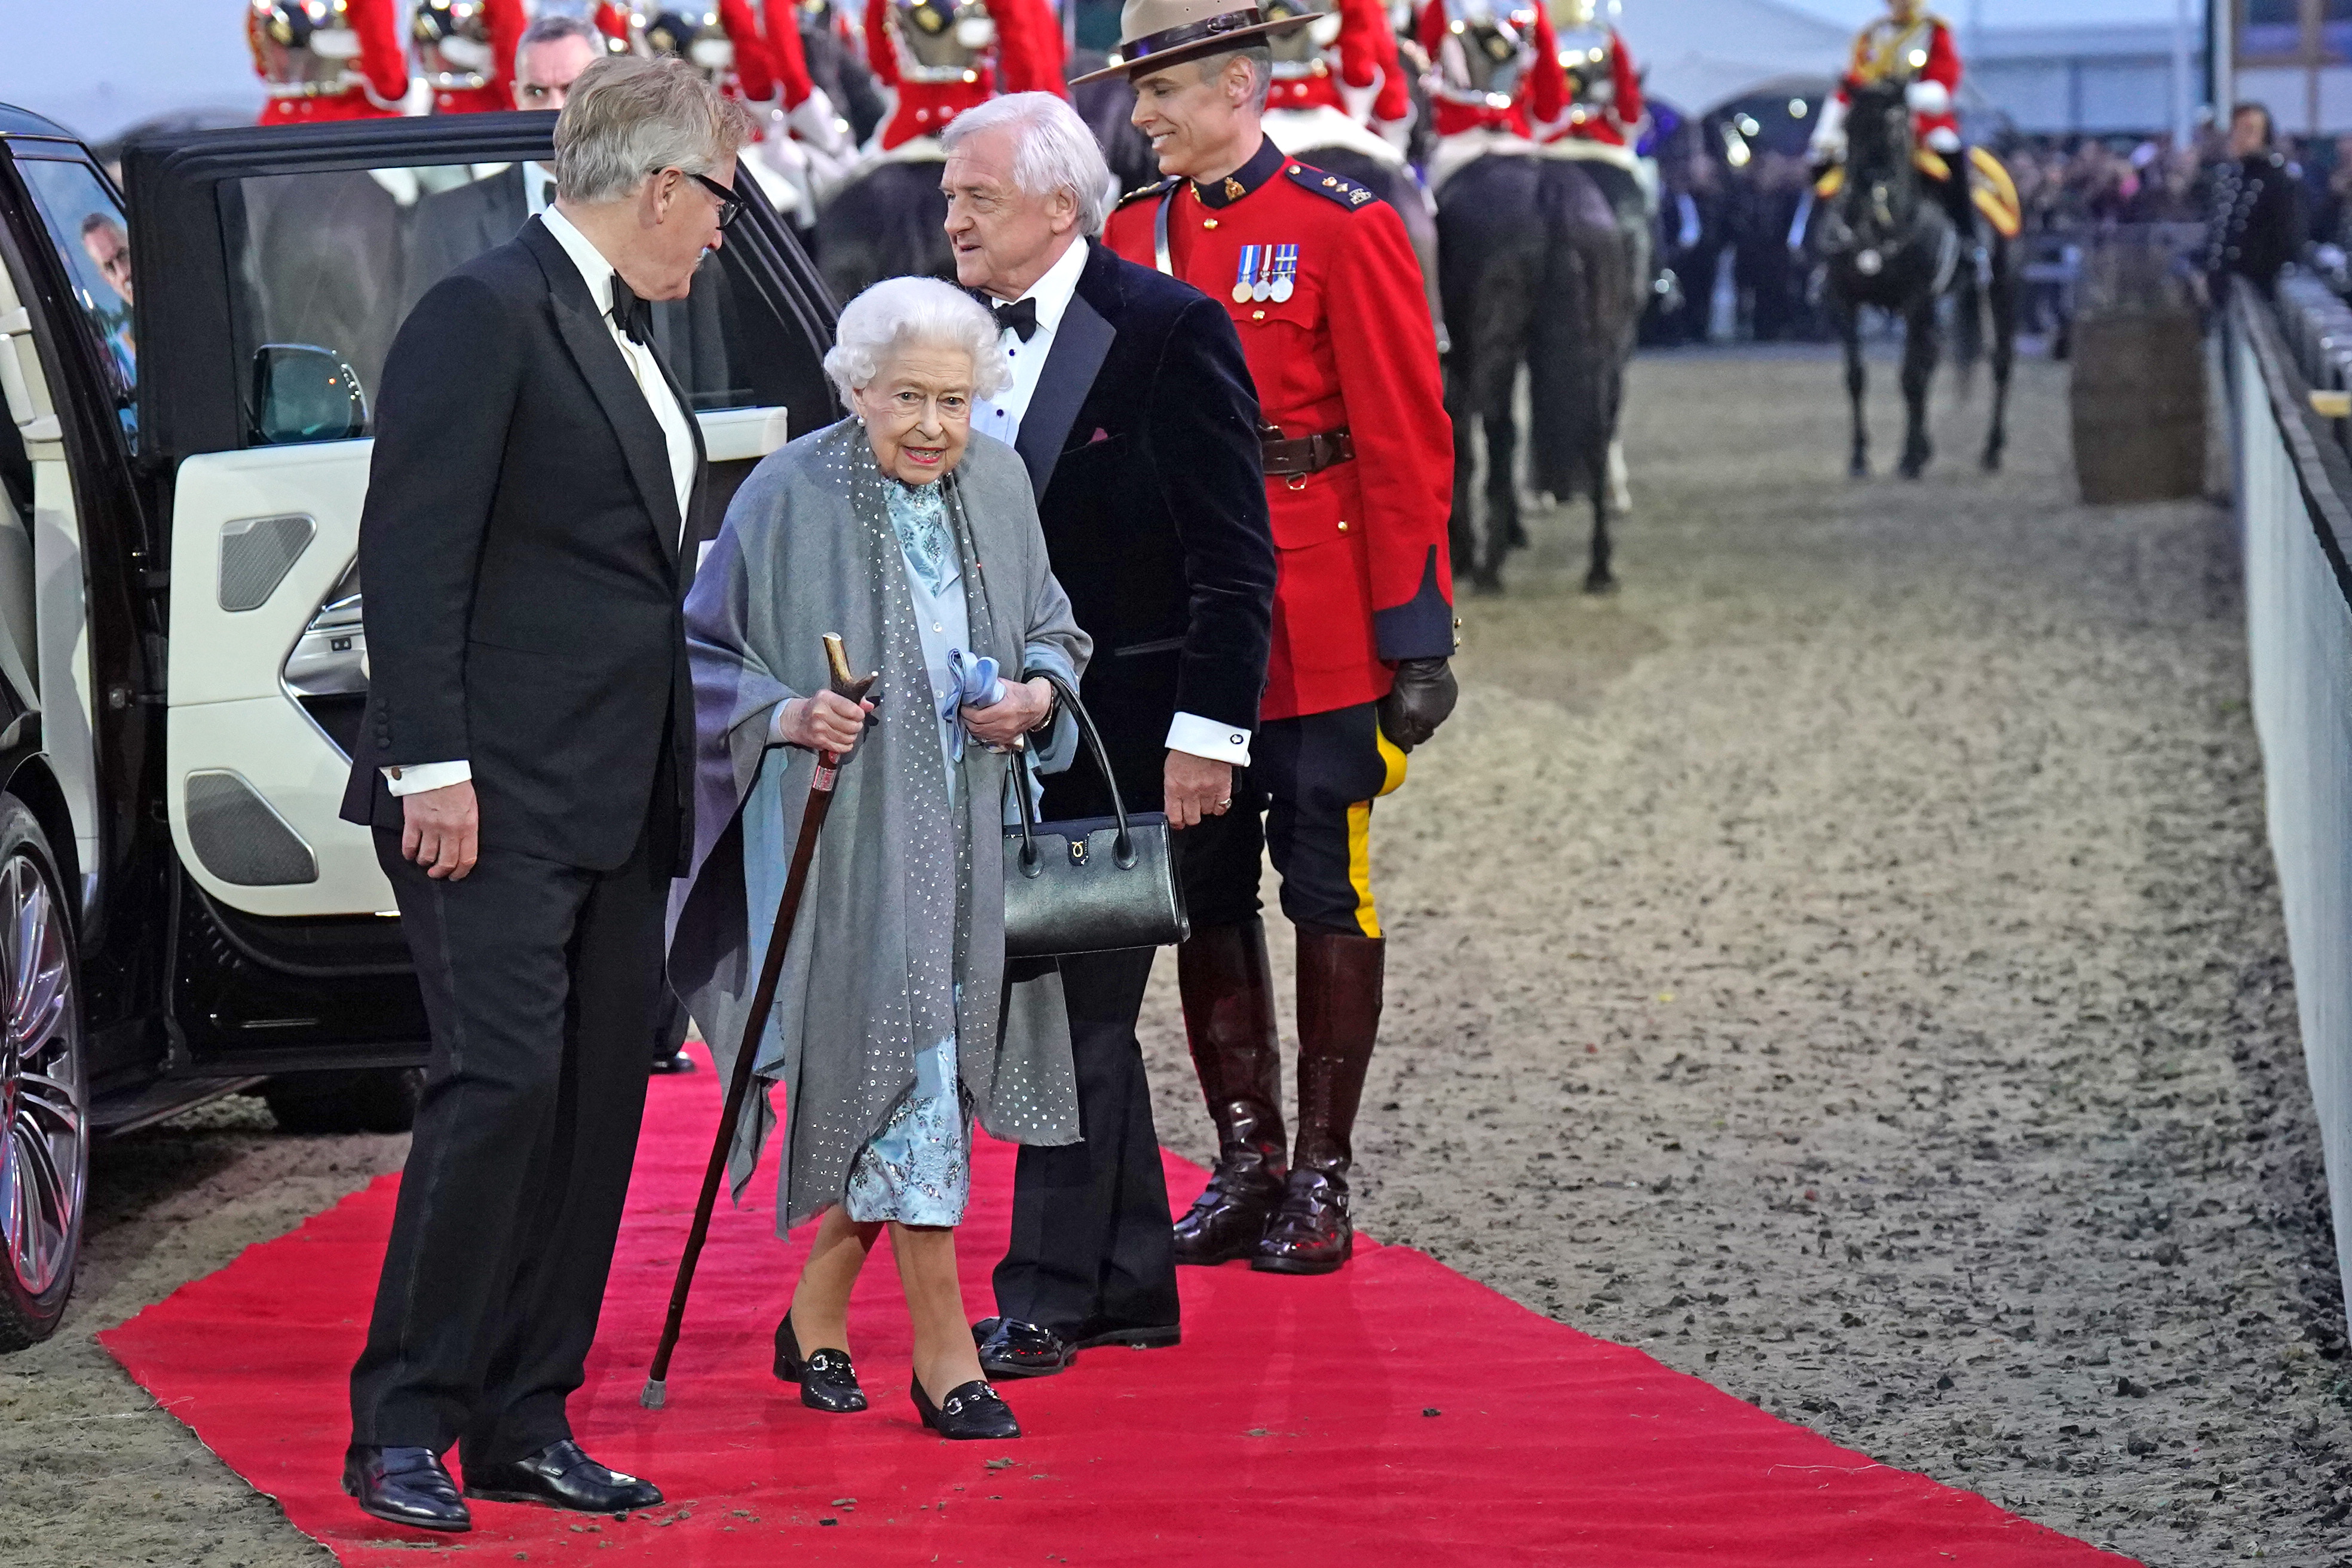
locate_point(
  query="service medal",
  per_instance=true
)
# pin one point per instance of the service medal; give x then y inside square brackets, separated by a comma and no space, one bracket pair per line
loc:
[1286,273]
[1243,281]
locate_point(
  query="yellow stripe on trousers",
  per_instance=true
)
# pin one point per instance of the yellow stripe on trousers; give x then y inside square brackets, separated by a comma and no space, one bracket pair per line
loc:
[1359,838]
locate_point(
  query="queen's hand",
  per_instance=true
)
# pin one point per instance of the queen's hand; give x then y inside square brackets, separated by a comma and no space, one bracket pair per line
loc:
[1022,708]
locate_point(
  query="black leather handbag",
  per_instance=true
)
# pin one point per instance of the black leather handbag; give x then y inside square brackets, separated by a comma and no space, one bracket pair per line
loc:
[1092,884]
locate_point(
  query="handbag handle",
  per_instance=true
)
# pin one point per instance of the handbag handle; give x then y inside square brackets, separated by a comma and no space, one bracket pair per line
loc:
[1122,846]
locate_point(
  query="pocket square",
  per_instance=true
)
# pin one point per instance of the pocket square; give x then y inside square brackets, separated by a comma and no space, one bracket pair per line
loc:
[1100,435]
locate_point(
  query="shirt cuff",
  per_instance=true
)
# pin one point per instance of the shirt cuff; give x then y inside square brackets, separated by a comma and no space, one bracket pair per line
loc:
[426,775]
[1199,737]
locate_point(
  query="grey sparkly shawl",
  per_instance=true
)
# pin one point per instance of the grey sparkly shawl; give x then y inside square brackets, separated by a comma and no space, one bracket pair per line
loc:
[900,938]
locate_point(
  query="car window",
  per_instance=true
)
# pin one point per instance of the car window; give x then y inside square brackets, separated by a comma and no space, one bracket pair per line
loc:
[93,239]
[335,260]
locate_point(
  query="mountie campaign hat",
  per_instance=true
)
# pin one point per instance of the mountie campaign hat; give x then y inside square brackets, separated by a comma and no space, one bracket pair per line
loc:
[1155,33]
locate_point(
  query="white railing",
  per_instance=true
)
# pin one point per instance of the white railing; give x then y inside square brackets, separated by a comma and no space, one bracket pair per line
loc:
[2294,483]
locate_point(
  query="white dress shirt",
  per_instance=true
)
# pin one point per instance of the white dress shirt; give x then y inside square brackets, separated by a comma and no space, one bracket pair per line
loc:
[1000,416]
[677,436]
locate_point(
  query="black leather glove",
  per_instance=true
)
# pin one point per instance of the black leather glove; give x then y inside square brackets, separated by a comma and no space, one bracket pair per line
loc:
[1419,701]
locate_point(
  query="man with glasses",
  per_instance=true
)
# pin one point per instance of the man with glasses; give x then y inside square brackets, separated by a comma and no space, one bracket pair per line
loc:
[526,763]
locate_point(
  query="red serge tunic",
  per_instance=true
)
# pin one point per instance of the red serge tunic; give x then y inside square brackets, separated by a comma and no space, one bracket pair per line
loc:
[1541,99]
[1028,58]
[1335,325]
[1611,122]
[382,74]
[1367,55]
[505,25]
[1920,50]
[787,53]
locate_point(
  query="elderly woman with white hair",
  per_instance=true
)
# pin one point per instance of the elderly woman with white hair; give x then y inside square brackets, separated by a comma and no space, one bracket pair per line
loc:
[896,1023]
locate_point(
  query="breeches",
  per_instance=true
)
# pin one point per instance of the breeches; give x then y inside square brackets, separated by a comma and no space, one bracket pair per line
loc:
[1306,798]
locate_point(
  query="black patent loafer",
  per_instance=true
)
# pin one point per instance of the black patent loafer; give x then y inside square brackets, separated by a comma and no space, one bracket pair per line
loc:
[561,1476]
[1309,1233]
[405,1486]
[1228,1219]
[970,1412]
[1012,1348]
[828,1382]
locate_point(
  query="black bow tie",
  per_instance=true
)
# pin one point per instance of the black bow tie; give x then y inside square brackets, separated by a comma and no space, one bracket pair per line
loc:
[1020,317]
[634,316]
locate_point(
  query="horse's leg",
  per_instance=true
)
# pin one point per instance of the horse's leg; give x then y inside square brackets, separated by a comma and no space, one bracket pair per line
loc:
[1918,372]
[1462,527]
[2002,298]
[1857,380]
[1504,532]
[1598,577]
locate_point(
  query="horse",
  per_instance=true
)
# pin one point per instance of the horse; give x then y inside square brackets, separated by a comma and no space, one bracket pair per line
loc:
[1883,240]
[888,221]
[1532,268]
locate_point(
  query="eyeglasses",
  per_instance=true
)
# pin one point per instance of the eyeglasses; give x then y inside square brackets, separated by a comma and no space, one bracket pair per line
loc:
[731,203]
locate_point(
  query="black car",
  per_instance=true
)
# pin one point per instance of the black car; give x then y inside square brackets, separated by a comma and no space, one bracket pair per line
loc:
[185,378]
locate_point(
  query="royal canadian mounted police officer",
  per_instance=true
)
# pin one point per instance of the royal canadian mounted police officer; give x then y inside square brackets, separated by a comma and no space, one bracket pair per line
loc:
[1322,287]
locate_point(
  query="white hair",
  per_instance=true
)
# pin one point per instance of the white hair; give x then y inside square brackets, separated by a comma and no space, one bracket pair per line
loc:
[900,313]
[628,117]
[1052,150]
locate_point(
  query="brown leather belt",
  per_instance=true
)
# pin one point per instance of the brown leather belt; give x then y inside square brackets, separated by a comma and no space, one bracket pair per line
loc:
[1307,454]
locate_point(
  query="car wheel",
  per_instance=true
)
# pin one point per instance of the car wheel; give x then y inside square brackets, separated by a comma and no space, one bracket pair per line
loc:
[44,1087]
[372,1099]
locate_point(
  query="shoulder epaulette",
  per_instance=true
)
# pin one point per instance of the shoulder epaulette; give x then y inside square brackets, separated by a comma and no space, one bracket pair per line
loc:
[1333,188]
[1157,188]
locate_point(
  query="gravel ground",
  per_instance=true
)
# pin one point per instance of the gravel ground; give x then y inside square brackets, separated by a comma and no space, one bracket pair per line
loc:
[1846,963]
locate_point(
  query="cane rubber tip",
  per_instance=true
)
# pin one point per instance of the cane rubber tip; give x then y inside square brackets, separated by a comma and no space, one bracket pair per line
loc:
[655,1395]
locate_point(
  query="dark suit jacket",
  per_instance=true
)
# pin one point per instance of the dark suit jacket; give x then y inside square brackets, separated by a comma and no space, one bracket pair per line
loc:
[1142,442]
[451,227]
[519,554]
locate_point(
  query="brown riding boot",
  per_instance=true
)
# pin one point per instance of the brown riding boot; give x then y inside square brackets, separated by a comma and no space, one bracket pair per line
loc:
[1339,979]
[1228,991]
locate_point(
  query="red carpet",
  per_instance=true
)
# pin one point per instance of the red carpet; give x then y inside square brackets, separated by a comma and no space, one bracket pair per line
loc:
[1396,1413]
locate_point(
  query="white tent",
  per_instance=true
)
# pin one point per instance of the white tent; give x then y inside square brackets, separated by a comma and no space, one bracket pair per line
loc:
[1700,54]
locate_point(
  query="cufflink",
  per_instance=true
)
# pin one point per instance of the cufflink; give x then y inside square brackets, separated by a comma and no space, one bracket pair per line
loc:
[394,773]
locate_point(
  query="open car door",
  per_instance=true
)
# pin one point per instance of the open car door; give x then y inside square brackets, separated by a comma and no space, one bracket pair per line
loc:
[274,267]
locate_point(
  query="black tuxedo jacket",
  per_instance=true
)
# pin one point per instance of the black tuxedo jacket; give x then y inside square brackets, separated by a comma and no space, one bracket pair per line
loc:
[520,555]
[1142,443]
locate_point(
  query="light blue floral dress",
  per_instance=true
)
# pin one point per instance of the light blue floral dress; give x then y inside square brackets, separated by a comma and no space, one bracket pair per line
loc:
[917,1169]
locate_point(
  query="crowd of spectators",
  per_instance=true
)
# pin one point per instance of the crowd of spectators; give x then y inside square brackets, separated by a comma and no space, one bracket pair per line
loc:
[1737,226]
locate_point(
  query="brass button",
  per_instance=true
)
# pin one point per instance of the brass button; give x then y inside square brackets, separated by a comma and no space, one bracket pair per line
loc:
[1208,223]
[1257,315]
[1343,525]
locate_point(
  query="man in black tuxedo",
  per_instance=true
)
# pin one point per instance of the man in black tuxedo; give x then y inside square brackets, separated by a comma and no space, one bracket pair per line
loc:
[1133,408]
[526,763]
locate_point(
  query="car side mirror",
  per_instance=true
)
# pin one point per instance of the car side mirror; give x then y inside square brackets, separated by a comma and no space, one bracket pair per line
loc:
[303,392]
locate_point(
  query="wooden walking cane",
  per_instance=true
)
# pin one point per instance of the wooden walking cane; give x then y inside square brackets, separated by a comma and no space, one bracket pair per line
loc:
[764,1000]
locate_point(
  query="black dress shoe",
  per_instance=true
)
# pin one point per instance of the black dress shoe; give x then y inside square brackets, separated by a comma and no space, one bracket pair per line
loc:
[405,1486]
[668,1061]
[1096,1332]
[561,1476]
[1311,1233]
[970,1411]
[827,1380]
[1012,1348]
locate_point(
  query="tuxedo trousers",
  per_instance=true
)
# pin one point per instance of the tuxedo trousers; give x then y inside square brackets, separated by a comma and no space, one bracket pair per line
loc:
[542,984]
[1092,1251]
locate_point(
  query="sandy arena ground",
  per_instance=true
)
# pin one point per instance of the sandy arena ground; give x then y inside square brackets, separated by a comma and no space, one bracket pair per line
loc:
[1846,963]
